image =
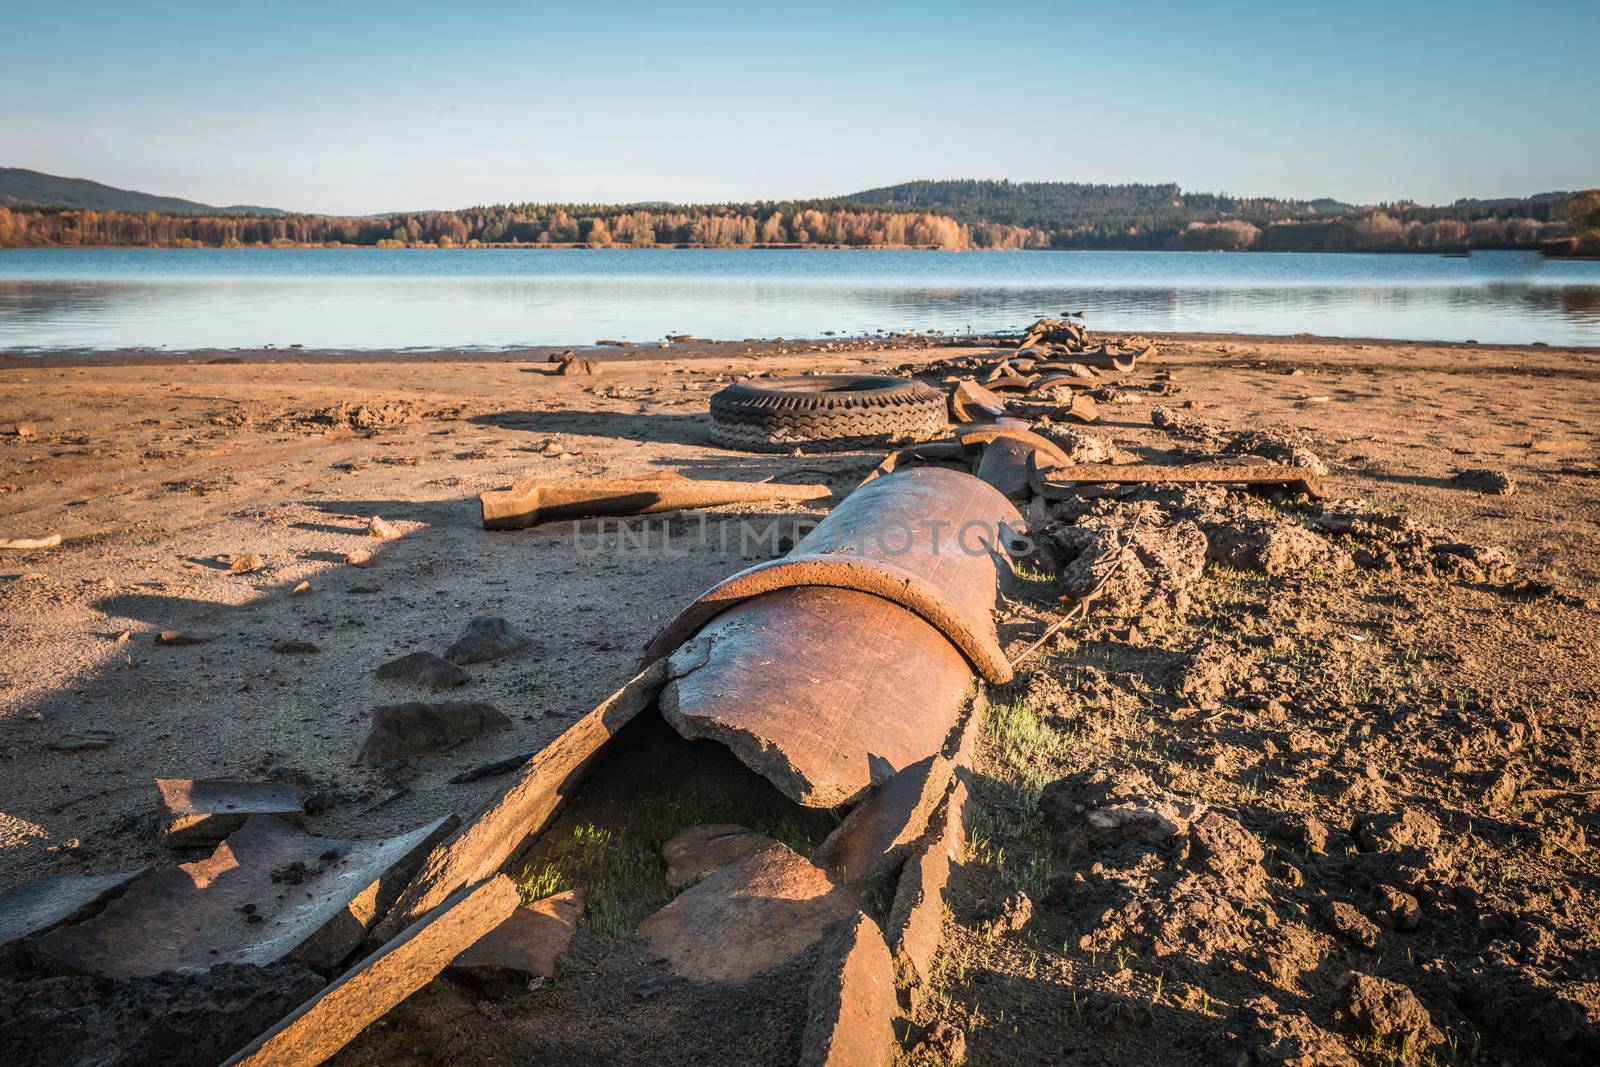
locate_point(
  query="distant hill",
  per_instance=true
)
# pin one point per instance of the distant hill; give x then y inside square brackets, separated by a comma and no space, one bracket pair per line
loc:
[30,188]
[1065,206]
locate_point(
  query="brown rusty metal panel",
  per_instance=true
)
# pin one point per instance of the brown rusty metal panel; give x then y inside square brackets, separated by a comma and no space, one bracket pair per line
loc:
[1061,480]
[929,539]
[824,692]
[534,500]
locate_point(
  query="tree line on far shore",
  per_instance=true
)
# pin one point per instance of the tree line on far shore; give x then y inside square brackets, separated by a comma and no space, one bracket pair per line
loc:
[1570,224]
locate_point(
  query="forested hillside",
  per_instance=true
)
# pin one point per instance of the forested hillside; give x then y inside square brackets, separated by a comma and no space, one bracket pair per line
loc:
[20,187]
[930,214]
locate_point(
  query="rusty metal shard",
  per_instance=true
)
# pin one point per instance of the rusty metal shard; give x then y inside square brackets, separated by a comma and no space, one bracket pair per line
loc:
[39,904]
[530,940]
[824,692]
[971,402]
[327,1022]
[204,811]
[880,832]
[269,892]
[978,436]
[531,501]
[927,538]
[526,806]
[1005,464]
[748,917]
[1059,481]
[851,1008]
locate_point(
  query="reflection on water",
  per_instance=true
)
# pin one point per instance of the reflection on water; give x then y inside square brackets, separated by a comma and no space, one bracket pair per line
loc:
[180,299]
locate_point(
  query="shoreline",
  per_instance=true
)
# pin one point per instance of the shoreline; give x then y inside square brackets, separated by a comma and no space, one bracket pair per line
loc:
[699,348]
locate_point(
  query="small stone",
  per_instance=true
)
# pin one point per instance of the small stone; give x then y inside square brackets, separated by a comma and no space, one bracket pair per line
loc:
[295,648]
[424,669]
[1009,914]
[88,741]
[182,637]
[400,730]
[1377,1007]
[486,637]
[1346,921]
[359,558]
[247,564]
[24,429]
[1490,482]
[382,529]
[303,589]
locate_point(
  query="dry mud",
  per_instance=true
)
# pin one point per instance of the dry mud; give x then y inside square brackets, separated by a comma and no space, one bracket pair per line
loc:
[1314,783]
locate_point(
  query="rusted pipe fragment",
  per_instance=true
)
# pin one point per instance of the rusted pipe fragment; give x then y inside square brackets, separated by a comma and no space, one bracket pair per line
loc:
[874,840]
[41,903]
[978,436]
[1005,464]
[927,452]
[204,811]
[748,917]
[1059,482]
[1106,360]
[531,501]
[971,402]
[823,692]
[523,808]
[851,1008]
[330,1020]
[929,539]
[232,906]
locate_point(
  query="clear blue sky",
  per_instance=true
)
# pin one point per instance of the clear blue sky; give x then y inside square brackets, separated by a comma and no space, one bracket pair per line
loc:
[360,107]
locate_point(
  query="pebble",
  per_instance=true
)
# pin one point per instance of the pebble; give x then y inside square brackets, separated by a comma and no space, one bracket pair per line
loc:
[247,564]
[380,528]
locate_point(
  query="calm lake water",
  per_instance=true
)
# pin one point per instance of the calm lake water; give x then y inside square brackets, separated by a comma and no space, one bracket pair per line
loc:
[501,298]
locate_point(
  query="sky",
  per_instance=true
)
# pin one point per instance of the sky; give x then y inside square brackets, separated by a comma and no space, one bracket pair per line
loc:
[361,107]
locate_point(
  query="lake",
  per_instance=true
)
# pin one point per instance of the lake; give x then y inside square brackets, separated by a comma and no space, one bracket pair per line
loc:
[179,299]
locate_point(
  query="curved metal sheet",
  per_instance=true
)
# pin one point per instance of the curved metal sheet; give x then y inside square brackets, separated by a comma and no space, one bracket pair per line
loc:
[927,538]
[823,692]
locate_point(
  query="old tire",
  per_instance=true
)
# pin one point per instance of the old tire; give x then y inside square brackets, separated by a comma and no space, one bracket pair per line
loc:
[832,410]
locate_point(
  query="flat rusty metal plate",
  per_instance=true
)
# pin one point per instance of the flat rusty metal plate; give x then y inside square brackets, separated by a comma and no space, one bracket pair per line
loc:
[269,892]
[824,692]
[929,539]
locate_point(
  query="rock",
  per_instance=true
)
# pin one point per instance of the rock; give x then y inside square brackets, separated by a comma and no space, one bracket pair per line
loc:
[1376,1007]
[1009,914]
[1346,921]
[171,1020]
[88,741]
[1490,482]
[30,544]
[694,853]
[295,648]
[206,811]
[747,917]
[423,669]
[486,637]
[1290,1039]
[400,730]
[359,558]
[851,1008]
[182,637]
[303,589]
[378,527]
[1399,909]
[1410,829]
[24,429]
[330,1020]
[246,564]
[1101,809]
[1214,670]
[527,943]
[1272,546]
[579,366]
[1303,833]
